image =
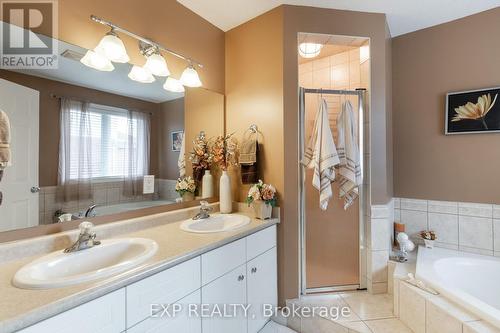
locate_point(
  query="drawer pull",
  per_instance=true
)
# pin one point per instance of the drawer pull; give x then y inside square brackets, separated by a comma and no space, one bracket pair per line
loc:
[254,270]
[241,278]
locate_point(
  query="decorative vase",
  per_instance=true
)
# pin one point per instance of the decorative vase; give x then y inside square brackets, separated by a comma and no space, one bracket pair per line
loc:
[262,210]
[187,196]
[225,201]
[429,243]
[207,187]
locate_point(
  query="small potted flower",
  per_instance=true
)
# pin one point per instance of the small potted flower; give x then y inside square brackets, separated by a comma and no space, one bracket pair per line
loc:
[263,198]
[429,237]
[186,187]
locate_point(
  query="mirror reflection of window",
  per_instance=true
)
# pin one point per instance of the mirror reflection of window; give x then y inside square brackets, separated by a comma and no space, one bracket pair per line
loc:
[101,143]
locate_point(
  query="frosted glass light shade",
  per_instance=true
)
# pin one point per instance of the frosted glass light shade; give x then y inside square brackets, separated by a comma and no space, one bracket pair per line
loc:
[173,85]
[157,65]
[190,78]
[141,74]
[97,61]
[111,46]
[310,50]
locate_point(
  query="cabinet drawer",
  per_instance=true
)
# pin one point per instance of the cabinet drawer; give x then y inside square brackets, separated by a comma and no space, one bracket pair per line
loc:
[260,242]
[105,314]
[181,322]
[218,262]
[165,287]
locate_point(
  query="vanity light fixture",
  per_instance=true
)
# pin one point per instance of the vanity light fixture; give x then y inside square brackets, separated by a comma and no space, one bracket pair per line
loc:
[112,47]
[310,50]
[141,74]
[155,63]
[97,61]
[190,77]
[173,85]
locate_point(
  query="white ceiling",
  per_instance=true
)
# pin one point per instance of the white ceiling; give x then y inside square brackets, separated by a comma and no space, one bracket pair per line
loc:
[403,16]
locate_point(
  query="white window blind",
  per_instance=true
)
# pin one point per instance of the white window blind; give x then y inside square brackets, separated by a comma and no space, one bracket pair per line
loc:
[101,144]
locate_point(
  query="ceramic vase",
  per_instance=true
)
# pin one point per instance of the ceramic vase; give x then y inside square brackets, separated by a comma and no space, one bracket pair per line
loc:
[429,243]
[262,211]
[187,196]
[225,201]
[207,186]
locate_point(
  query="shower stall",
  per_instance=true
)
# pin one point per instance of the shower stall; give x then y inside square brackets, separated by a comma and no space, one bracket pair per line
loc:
[332,245]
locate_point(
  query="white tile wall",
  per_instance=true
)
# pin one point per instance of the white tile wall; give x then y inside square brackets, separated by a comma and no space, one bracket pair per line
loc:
[107,193]
[470,227]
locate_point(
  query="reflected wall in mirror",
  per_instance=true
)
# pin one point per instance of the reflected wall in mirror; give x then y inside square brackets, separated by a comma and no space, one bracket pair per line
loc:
[83,140]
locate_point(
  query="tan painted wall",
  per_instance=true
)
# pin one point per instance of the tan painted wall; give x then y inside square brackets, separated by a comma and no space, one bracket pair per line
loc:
[254,92]
[455,56]
[165,21]
[49,118]
[171,117]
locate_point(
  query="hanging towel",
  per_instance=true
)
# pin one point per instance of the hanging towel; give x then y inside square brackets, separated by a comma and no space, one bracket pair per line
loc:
[349,169]
[249,154]
[321,155]
[181,162]
[5,154]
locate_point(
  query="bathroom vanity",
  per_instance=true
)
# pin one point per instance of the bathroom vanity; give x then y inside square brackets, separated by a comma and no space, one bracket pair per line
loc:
[193,271]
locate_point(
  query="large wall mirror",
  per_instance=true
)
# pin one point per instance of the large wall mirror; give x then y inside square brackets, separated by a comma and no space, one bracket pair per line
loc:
[85,143]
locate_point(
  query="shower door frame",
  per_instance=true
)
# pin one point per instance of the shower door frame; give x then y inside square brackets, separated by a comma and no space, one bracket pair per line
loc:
[361,93]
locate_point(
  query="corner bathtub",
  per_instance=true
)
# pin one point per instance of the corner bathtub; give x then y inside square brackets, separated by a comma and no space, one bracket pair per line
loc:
[470,280]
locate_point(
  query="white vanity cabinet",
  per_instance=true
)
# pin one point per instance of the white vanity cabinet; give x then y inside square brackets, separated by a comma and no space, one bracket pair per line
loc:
[239,273]
[103,315]
[262,288]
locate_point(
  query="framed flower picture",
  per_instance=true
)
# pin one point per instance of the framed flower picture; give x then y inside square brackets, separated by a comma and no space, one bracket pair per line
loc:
[474,111]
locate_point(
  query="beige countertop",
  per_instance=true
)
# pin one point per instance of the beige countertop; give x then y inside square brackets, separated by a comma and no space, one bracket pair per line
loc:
[20,308]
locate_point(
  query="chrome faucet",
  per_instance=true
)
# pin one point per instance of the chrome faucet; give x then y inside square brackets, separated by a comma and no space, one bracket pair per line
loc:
[90,210]
[85,240]
[204,211]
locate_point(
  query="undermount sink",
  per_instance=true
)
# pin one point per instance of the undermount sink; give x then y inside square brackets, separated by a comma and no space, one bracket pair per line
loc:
[59,269]
[215,223]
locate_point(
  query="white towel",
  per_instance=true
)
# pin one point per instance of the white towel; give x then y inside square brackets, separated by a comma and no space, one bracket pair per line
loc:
[5,153]
[349,168]
[321,155]
[181,162]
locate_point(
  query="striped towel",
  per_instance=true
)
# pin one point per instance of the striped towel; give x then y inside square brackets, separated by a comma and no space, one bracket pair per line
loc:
[349,168]
[321,155]
[5,153]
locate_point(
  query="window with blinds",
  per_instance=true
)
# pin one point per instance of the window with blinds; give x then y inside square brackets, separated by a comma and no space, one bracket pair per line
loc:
[101,142]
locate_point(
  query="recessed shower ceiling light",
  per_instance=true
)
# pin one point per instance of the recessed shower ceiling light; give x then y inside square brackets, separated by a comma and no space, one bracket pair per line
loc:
[309,50]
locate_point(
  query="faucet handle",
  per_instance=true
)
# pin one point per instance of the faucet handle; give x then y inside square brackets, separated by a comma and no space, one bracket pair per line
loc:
[205,206]
[85,227]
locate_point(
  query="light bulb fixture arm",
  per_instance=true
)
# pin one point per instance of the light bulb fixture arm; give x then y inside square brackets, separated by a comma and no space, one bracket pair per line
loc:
[116,28]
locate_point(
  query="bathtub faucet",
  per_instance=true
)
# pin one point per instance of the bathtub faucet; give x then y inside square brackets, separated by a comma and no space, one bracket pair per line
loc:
[90,211]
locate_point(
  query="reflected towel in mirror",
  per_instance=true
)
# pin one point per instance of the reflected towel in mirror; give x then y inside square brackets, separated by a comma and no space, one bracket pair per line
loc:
[5,153]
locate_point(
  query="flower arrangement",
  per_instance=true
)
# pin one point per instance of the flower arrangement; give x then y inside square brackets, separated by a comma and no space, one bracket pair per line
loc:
[429,237]
[201,157]
[224,150]
[428,234]
[262,192]
[185,185]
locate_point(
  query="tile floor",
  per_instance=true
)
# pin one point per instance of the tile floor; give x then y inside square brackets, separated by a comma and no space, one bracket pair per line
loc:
[367,314]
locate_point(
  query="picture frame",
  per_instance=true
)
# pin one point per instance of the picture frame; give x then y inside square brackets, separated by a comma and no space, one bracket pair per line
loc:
[177,137]
[473,111]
